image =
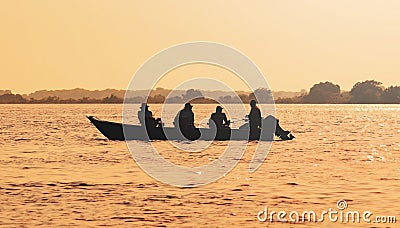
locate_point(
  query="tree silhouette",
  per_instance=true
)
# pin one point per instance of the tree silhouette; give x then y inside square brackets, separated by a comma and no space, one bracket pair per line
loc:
[112,99]
[391,95]
[157,99]
[366,92]
[262,95]
[9,98]
[174,100]
[191,94]
[323,93]
[244,98]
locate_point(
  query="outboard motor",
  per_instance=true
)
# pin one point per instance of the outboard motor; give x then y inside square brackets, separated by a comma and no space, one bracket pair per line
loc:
[270,127]
[277,129]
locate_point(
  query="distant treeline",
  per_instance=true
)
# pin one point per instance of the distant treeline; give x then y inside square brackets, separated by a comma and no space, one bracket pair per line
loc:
[366,92]
[192,95]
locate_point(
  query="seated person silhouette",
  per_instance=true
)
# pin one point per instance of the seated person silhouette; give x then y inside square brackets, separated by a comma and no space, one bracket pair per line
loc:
[221,123]
[146,117]
[185,121]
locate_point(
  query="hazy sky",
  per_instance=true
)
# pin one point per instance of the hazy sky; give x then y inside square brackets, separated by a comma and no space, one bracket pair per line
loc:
[100,44]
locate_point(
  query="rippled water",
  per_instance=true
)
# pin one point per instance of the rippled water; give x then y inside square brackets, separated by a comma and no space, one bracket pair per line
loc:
[57,169]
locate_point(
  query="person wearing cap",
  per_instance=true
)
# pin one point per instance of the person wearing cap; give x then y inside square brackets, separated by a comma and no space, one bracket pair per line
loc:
[185,117]
[184,120]
[146,117]
[254,121]
[219,118]
[219,121]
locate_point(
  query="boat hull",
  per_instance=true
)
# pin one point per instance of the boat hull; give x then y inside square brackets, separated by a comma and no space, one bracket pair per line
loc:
[115,131]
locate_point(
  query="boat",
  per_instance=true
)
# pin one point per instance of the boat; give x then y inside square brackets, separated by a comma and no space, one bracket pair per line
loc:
[115,131]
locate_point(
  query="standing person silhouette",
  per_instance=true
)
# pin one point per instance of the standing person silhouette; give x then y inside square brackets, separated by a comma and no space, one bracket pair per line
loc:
[254,121]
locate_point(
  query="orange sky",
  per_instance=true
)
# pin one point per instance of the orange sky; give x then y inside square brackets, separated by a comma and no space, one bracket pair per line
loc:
[100,44]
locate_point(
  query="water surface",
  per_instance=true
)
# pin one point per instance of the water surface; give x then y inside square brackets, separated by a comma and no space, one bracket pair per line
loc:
[57,169]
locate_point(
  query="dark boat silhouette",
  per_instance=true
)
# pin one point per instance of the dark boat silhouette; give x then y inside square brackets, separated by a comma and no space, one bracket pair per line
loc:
[115,131]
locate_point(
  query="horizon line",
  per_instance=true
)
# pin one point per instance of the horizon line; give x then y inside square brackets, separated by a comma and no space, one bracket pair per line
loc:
[68,89]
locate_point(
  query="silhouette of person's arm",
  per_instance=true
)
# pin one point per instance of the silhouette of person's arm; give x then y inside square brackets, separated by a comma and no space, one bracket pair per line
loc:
[176,119]
[251,115]
[140,117]
[212,121]
[259,117]
[191,118]
[225,120]
[149,114]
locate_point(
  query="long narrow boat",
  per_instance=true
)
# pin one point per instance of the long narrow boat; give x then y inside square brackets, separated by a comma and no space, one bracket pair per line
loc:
[115,131]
